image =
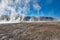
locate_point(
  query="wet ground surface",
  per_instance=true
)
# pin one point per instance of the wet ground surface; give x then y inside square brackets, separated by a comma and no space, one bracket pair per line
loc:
[30,31]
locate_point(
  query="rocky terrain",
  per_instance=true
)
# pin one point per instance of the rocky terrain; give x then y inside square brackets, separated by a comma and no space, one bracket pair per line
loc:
[30,31]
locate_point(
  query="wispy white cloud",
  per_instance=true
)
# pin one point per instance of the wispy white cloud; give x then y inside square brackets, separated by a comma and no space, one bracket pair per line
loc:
[36,6]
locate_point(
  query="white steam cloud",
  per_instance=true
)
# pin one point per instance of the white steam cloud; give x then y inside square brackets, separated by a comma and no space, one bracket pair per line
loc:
[36,6]
[16,8]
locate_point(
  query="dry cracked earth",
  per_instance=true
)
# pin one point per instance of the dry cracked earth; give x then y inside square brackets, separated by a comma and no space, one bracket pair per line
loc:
[30,31]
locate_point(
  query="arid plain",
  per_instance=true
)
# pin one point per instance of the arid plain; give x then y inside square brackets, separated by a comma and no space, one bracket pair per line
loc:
[30,31]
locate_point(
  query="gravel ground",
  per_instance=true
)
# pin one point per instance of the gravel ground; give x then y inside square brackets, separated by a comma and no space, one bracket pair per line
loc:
[30,31]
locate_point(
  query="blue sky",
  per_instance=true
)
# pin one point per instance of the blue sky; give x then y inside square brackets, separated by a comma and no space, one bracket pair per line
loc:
[49,8]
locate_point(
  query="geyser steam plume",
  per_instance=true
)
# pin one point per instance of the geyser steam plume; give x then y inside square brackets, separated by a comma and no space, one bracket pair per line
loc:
[13,11]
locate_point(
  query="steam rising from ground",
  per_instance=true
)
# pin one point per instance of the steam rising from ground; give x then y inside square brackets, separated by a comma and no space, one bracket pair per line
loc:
[15,10]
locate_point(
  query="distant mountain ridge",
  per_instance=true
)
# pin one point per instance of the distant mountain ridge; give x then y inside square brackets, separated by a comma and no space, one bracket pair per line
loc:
[27,18]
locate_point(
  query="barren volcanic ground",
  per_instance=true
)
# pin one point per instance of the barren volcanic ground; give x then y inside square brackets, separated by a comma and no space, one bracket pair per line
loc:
[30,31]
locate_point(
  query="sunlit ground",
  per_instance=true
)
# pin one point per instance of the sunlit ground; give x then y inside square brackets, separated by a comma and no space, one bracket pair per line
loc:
[30,31]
